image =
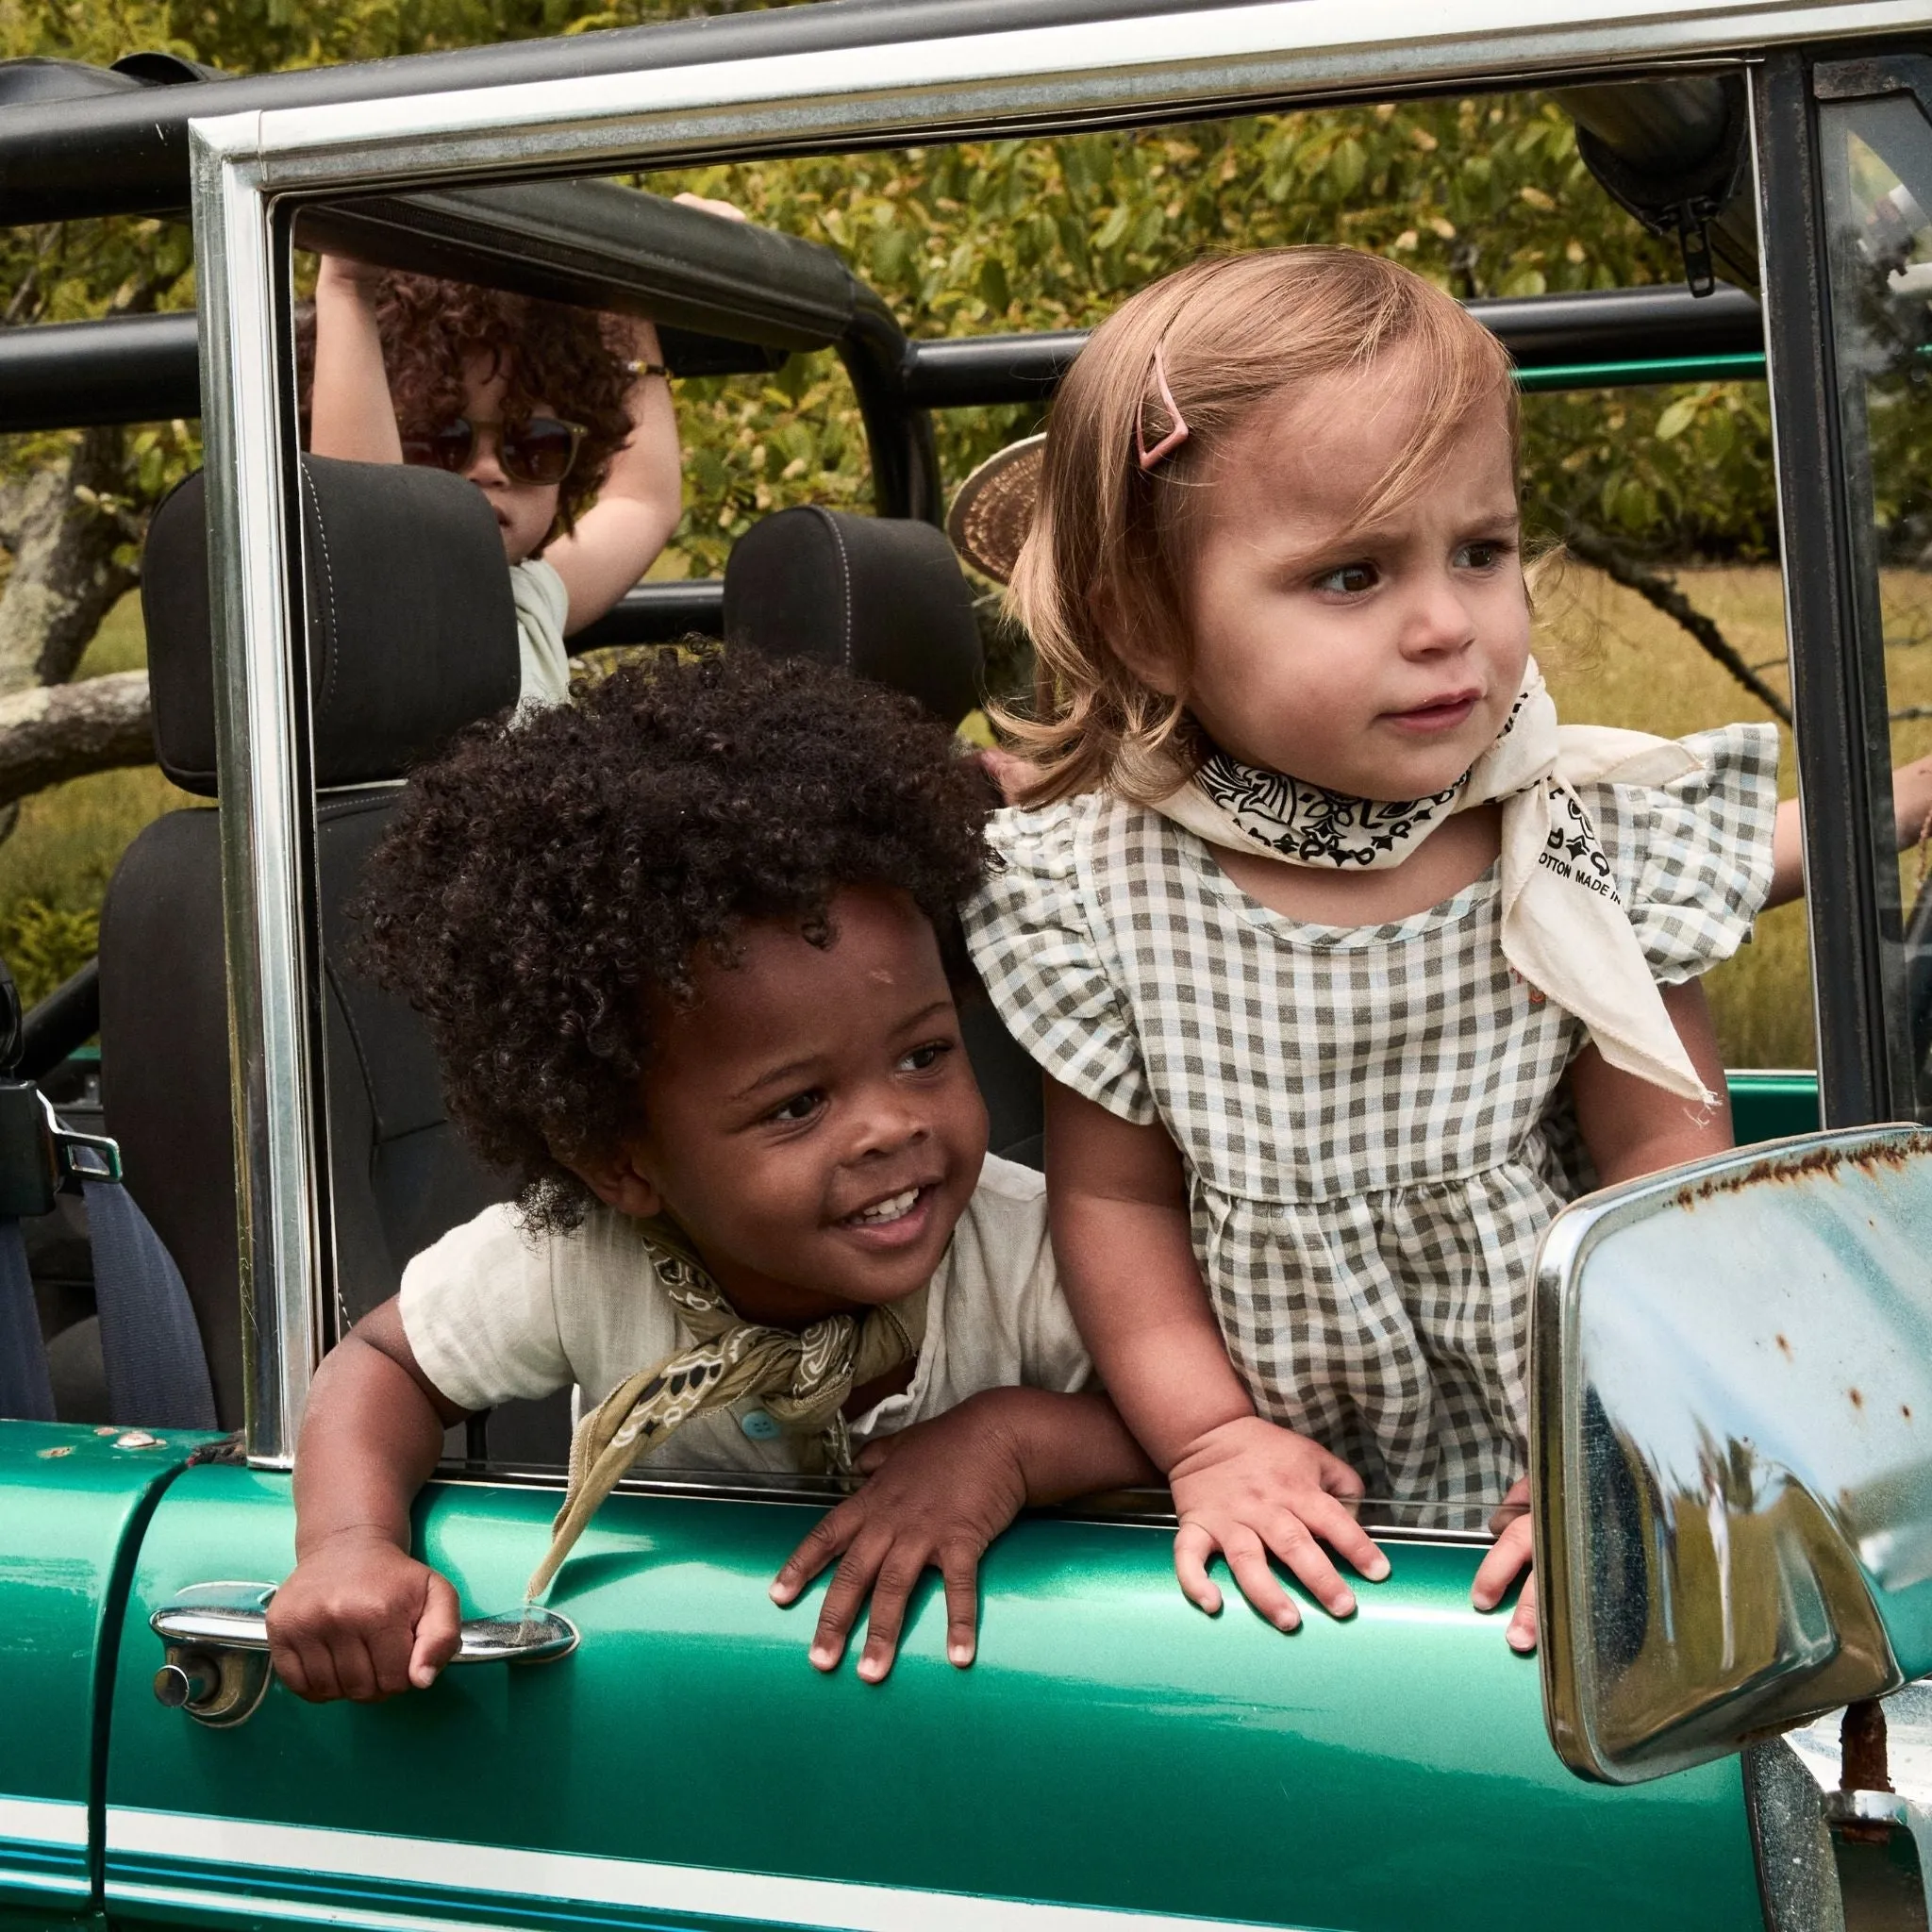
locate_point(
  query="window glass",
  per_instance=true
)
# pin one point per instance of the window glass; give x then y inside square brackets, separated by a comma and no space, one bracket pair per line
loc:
[1878,191]
[1664,615]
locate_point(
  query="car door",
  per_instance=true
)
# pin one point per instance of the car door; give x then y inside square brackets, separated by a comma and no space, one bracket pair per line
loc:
[1111,1751]
[73,1501]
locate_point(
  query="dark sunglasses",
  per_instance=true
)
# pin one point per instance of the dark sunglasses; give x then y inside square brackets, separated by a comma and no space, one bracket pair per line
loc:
[539,450]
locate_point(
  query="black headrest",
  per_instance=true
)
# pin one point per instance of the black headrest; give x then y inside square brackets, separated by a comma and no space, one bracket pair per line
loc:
[413,633]
[878,595]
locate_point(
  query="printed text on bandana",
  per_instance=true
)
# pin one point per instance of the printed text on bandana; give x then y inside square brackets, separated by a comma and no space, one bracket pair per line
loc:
[1574,840]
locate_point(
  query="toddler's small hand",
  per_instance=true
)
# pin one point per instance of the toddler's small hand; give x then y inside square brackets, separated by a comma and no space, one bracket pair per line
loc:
[1248,1487]
[1506,1559]
[725,211]
[1012,774]
[346,272]
[938,1494]
[363,1620]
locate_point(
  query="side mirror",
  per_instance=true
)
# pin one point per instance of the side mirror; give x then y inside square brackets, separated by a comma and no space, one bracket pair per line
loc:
[1731,1420]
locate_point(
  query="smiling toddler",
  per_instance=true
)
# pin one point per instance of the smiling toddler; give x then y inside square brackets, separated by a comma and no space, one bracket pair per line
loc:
[683,950]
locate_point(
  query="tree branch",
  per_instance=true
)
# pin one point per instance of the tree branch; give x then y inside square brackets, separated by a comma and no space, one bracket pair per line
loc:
[1592,548]
[62,731]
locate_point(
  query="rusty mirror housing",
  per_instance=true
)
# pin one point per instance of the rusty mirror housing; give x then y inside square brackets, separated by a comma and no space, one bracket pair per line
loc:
[1731,1419]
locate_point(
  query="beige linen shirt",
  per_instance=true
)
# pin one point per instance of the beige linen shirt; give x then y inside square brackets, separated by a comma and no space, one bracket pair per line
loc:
[493,1314]
[542,660]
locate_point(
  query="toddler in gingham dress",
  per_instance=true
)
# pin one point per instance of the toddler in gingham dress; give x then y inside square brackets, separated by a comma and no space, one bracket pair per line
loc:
[1313,907]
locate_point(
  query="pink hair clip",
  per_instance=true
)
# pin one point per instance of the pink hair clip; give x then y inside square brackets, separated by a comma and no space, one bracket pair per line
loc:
[1174,437]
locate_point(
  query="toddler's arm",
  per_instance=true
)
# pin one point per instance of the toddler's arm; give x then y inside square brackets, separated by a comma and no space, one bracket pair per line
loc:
[359,1617]
[618,537]
[1242,1486]
[939,1493]
[351,414]
[1633,1129]
[1911,807]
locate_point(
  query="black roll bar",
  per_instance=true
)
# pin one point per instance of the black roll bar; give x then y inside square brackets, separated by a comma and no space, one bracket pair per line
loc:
[1539,331]
[73,375]
[141,369]
[125,151]
[603,246]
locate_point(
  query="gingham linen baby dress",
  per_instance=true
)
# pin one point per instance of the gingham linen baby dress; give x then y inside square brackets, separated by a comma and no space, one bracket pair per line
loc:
[1360,1109]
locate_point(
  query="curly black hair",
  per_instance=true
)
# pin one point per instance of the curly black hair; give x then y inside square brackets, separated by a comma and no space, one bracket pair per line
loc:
[573,360]
[543,880]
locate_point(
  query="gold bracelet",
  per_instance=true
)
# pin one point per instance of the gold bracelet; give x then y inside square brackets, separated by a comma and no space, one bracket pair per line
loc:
[642,369]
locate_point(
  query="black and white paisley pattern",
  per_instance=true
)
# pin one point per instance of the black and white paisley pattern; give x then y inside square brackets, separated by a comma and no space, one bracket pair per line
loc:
[1308,824]
[1312,825]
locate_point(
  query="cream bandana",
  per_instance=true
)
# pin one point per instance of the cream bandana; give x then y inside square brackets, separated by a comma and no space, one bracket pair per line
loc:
[803,1380]
[1564,928]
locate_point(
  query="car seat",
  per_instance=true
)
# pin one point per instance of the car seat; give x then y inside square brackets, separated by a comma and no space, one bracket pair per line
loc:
[412,635]
[885,599]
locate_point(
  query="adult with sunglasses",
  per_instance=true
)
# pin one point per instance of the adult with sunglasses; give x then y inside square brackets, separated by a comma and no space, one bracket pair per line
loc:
[560,416]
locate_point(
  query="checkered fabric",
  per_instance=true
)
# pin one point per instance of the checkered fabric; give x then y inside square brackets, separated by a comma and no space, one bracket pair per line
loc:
[1360,1109]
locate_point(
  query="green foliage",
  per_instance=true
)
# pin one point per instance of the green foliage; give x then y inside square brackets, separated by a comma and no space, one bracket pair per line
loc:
[1485,197]
[43,945]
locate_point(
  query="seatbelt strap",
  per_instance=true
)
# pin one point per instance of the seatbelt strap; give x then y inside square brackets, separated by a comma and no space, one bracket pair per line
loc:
[26,1389]
[151,1349]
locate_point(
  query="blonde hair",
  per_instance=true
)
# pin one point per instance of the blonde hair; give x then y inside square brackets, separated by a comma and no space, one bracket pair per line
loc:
[1111,544]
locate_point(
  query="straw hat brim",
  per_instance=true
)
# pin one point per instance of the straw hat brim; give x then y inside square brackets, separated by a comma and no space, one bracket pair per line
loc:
[994,510]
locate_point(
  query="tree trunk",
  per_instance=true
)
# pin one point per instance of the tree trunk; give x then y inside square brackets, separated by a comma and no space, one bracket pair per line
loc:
[61,731]
[1592,548]
[64,531]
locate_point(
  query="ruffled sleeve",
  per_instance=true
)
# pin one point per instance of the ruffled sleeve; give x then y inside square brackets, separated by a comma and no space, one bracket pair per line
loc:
[1692,856]
[1032,940]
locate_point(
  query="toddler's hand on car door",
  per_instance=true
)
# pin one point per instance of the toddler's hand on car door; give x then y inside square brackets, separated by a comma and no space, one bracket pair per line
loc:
[363,1620]
[1507,1560]
[1248,1488]
[938,1494]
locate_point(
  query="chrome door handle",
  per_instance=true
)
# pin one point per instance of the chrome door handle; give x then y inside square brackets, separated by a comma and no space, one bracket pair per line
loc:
[216,1635]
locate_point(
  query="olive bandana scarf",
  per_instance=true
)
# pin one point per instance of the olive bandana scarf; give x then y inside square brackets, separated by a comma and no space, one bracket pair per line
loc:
[1565,930]
[804,1381]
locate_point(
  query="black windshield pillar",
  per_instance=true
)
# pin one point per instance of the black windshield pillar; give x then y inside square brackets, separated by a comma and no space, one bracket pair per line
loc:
[1838,694]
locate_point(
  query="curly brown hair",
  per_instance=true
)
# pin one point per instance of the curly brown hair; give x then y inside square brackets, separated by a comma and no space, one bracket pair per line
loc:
[543,881]
[576,361]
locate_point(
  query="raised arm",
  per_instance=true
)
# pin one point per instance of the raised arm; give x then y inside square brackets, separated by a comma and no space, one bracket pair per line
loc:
[350,411]
[618,537]
[361,1617]
[1242,1486]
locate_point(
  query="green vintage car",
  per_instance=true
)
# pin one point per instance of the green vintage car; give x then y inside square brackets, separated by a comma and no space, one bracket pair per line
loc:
[1727,1555]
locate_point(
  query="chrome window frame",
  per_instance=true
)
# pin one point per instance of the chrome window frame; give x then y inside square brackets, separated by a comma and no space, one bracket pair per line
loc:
[249,170]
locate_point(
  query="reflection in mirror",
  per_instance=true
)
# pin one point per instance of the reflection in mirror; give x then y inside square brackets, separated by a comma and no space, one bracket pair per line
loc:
[1733,1390]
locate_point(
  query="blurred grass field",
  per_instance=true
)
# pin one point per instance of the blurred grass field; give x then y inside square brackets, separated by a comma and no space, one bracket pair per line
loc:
[1609,657]
[55,869]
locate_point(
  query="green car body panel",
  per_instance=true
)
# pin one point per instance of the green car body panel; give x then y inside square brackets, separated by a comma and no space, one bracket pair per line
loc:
[1110,1748]
[1769,1107]
[75,1505]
